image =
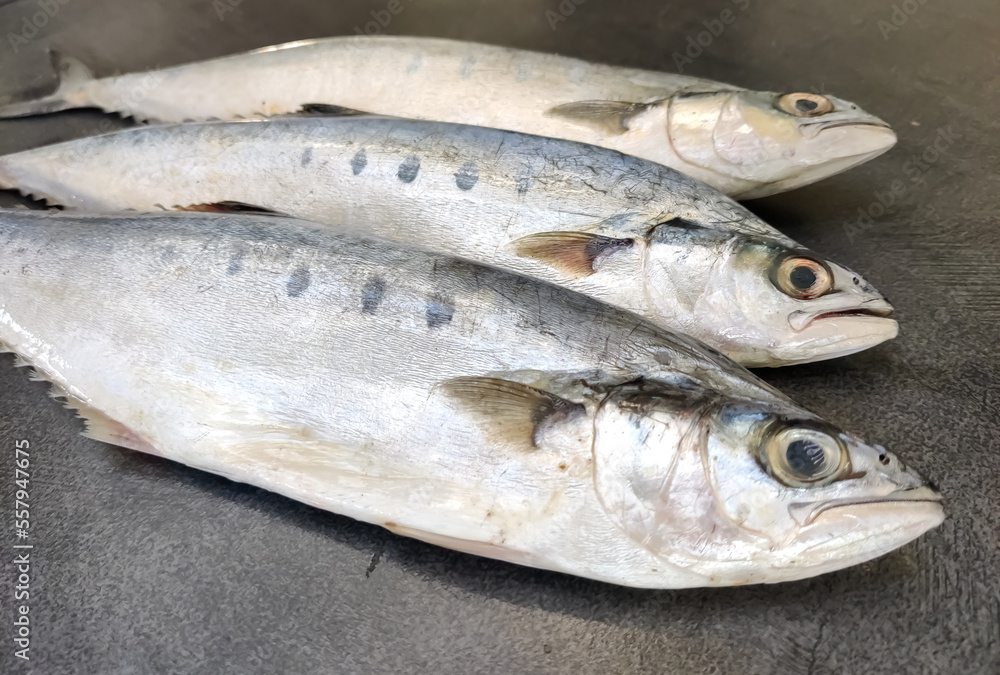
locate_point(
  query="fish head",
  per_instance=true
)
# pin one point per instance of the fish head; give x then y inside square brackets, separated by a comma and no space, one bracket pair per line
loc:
[739,491]
[766,143]
[761,300]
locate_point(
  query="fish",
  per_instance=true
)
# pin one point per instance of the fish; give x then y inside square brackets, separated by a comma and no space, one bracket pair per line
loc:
[745,143]
[626,231]
[456,404]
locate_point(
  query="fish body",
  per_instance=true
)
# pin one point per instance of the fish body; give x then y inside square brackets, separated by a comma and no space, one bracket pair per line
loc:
[623,230]
[460,405]
[745,143]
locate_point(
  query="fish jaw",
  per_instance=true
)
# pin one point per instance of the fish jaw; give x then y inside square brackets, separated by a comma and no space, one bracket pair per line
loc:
[879,527]
[849,146]
[823,335]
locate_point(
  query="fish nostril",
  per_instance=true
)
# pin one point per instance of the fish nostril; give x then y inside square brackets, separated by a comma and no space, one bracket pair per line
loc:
[857,282]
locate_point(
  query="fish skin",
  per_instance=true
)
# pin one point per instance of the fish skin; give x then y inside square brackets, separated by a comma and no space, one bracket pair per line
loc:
[467,83]
[466,191]
[278,353]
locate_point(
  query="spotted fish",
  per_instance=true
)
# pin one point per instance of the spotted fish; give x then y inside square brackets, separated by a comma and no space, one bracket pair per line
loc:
[623,230]
[460,405]
[745,143]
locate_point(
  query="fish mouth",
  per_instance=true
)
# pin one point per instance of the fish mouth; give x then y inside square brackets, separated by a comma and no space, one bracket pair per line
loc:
[813,129]
[835,332]
[823,126]
[880,309]
[806,513]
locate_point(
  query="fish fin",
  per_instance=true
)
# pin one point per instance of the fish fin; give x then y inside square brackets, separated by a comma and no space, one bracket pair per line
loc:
[610,117]
[572,253]
[229,207]
[329,110]
[509,411]
[102,428]
[481,548]
[73,75]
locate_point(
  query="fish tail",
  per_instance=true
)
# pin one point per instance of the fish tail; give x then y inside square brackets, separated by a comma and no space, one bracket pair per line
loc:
[73,76]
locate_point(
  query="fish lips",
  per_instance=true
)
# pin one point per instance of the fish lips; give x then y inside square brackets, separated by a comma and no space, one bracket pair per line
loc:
[922,499]
[839,331]
[845,532]
[851,137]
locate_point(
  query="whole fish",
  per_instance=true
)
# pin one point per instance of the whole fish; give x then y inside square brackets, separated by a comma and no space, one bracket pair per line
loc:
[460,405]
[745,143]
[623,230]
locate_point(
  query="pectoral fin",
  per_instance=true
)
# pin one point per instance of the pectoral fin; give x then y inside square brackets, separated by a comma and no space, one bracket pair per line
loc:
[508,411]
[229,207]
[609,117]
[572,253]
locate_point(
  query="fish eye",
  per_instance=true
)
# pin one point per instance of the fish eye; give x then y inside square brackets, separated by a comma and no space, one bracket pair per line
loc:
[802,277]
[801,456]
[805,105]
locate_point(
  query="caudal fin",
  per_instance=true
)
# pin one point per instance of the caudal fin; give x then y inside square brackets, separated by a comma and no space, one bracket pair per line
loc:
[73,75]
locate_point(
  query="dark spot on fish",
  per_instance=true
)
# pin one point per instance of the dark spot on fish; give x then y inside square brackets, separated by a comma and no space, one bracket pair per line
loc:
[359,161]
[409,169]
[169,253]
[415,64]
[467,176]
[857,282]
[299,282]
[440,311]
[523,183]
[307,156]
[684,224]
[235,264]
[372,294]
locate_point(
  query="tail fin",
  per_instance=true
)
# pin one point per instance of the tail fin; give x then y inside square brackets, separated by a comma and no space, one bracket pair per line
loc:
[73,75]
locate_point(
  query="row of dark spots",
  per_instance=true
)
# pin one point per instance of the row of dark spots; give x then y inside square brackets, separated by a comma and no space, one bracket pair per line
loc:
[465,178]
[438,312]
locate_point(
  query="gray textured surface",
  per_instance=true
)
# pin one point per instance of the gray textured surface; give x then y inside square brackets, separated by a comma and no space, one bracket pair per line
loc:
[144,566]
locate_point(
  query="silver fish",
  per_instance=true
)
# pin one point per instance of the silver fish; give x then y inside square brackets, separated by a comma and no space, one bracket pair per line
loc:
[745,143]
[463,406]
[623,230]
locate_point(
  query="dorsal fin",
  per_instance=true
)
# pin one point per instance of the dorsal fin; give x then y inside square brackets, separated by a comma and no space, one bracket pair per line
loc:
[572,253]
[229,207]
[609,117]
[508,411]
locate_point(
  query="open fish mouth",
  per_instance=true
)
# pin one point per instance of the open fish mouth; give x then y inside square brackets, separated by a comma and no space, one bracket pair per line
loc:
[806,513]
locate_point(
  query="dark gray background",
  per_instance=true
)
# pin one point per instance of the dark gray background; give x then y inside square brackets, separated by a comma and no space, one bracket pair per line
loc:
[145,566]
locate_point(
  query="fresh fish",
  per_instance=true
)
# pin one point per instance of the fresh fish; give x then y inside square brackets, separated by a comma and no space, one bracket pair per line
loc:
[623,230]
[460,405]
[745,143]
